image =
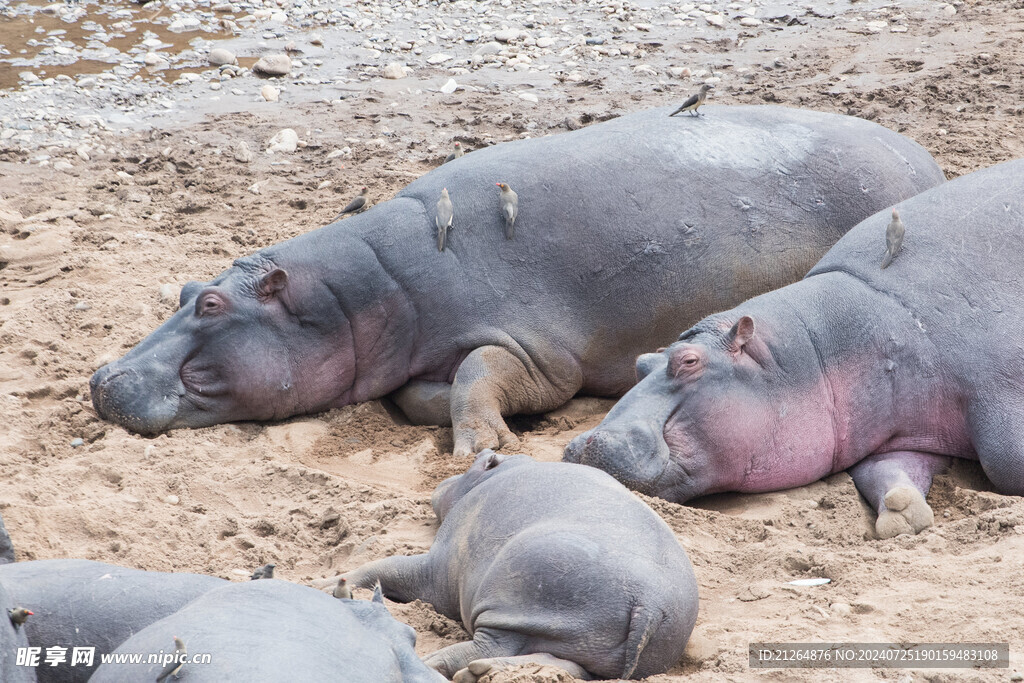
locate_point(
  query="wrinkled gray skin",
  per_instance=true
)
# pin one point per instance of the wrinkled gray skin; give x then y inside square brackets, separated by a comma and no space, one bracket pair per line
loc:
[627,230]
[886,372]
[80,603]
[549,558]
[272,630]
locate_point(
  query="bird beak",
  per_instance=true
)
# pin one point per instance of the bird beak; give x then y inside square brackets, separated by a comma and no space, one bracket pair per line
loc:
[29,613]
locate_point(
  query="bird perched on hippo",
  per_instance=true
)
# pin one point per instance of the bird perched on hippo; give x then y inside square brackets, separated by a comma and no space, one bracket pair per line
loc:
[611,260]
[548,563]
[884,373]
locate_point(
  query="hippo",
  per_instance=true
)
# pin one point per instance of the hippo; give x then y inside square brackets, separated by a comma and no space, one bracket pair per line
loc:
[13,638]
[81,603]
[549,563]
[625,230]
[884,373]
[273,630]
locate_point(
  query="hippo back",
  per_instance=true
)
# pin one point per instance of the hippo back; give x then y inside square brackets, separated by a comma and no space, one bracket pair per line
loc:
[80,603]
[267,630]
[11,640]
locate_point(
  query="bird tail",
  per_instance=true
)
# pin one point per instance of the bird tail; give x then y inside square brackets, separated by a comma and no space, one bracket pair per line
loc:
[887,260]
[510,228]
[441,237]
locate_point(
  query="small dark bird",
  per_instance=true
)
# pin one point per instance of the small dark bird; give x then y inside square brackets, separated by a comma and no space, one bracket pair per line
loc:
[444,218]
[19,615]
[264,572]
[893,239]
[456,153]
[174,668]
[342,591]
[357,205]
[509,209]
[692,104]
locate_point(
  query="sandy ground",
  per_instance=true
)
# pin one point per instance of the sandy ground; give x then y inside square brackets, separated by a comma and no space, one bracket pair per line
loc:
[83,256]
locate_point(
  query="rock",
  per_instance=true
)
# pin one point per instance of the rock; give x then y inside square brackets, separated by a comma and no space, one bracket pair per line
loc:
[750,21]
[841,608]
[877,26]
[394,71]
[545,41]
[898,29]
[172,499]
[169,294]
[438,58]
[83,153]
[286,141]
[270,93]
[75,443]
[219,57]
[449,87]
[949,10]
[506,35]
[273,65]
[715,20]
[242,152]
[62,165]
[1017,677]
[679,72]
[529,97]
[184,24]
[490,48]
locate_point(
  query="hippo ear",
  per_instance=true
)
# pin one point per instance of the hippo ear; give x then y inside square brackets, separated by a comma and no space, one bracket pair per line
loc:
[272,283]
[378,594]
[646,363]
[493,460]
[741,333]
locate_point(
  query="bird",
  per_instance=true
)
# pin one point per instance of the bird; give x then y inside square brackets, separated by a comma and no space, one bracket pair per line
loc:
[357,205]
[694,101]
[174,668]
[342,591]
[264,572]
[456,153]
[444,218]
[509,209]
[19,615]
[893,239]
[378,593]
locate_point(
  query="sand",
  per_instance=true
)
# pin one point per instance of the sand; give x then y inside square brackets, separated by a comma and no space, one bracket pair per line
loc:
[83,256]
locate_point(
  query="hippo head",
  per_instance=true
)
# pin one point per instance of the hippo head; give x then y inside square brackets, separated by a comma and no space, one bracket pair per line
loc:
[245,346]
[704,417]
[487,464]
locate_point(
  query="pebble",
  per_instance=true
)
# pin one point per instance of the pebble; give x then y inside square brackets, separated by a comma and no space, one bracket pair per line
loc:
[1017,677]
[172,499]
[242,152]
[545,41]
[750,21]
[449,87]
[219,56]
[439,58]
[949,10]
[506,35]
[529,97]
[286,141]
[841,608]
[62,165]
[169,294]
[184,24]
[394,71]
[270,93]
[273,65]
[715,20]
[75,443]
[152,59]
[83,153]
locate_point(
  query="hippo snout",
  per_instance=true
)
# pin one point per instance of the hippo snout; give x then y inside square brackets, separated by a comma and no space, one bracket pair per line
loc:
[126,396]
[636,455]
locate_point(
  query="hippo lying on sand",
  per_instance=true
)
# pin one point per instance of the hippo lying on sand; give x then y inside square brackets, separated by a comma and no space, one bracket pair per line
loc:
[626,230]
[886,372]
[550,559]
[273,630]
[80,603]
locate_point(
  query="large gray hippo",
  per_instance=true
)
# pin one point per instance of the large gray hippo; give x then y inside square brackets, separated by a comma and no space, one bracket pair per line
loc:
[550,563]
[626,230]
[886,373]
[272,630]
[80,603]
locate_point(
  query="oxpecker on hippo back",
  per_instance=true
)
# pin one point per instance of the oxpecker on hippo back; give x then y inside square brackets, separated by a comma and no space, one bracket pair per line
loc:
[626,231]
[887,373]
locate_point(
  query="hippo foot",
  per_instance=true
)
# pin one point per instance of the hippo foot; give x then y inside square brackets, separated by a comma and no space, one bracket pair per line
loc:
[905,511]
[471,440]
[521,669]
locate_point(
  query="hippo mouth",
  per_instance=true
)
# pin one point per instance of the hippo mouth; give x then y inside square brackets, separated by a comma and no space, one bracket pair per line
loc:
[122,396]
[638,456]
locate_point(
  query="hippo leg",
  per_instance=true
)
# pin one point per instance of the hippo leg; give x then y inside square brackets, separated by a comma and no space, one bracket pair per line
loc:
[895,484]
[484,667]
[403,578]
[425,403]
[492,382]
[997,430]
[486,644]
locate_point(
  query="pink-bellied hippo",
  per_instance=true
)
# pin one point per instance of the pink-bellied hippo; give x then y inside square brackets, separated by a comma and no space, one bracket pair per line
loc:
[885,373]
[550,563]
[626,231]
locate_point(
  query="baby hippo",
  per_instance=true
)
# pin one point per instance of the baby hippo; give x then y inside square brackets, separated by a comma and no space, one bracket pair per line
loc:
[549,563]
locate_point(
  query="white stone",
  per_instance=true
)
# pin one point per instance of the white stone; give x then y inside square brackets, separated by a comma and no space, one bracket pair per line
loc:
[545,41]
[449,87]
[750,21]
[506,35]
[270,93]
[242,152]
[438,58]
[529,97]
[394,71]
[184,24]
[273,65]
[219,56]
[715,20]
[286,141]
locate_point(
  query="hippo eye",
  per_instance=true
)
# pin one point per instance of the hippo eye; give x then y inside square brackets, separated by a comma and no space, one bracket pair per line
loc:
[209,303]
[684,361]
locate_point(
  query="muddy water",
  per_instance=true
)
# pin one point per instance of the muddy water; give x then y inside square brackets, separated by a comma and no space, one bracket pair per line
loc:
[50,40]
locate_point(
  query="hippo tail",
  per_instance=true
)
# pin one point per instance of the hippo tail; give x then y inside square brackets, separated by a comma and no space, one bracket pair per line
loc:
[642,625]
